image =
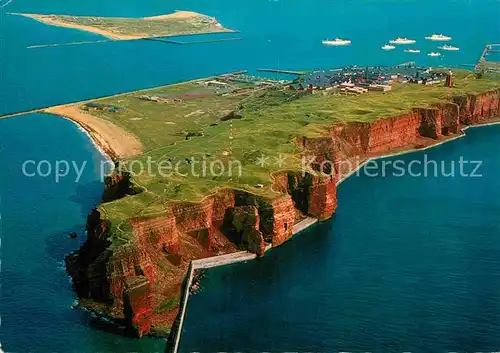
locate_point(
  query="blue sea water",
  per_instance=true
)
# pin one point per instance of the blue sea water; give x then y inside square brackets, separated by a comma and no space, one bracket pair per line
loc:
[38,213]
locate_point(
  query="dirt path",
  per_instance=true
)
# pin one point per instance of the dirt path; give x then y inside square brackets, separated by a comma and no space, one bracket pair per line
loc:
[115,141]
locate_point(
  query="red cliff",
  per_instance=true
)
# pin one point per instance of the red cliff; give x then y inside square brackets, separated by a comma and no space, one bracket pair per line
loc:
[137,275]
[476,108]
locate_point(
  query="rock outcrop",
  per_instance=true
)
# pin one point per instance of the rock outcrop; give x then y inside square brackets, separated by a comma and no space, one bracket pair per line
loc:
[138,305]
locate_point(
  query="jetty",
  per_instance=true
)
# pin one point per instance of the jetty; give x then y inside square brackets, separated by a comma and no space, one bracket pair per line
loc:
[169,41]
[483,64]
[154,39]
[288,72]
[68,44]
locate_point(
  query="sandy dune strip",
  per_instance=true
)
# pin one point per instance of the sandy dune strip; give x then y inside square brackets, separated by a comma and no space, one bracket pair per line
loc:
[115,141]
[47,19]
[176,15]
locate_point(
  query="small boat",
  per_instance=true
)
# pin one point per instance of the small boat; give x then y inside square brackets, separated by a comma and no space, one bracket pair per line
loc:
[434,54]
[412,51]
[400,40]
[337,42]
[449,48]
[388,47]
[439,38]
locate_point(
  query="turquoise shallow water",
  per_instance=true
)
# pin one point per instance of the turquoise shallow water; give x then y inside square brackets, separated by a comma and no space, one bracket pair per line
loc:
[38,214]
[406,265]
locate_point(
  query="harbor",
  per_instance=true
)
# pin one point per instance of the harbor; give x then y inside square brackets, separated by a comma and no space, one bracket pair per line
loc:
[485,65]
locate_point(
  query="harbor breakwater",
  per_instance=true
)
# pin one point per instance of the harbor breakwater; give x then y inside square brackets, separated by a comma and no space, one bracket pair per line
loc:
[127,279]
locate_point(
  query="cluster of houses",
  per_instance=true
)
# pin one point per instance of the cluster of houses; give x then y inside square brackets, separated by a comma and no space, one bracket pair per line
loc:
[359,80]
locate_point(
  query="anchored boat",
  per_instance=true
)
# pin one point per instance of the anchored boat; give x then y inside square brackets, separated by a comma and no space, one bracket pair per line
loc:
[412,50]
[400,40]
[434,54]
[439,38]
[336,42]
[449,48]
[388,47]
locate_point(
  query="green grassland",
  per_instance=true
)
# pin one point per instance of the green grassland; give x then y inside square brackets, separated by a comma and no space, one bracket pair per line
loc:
[266,122]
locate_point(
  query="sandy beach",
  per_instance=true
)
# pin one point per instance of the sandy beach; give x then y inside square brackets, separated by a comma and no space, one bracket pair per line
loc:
[48,19]
[115,141]
[176,15]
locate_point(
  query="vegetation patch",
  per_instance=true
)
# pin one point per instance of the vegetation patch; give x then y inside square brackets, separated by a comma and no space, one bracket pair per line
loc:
[171,303]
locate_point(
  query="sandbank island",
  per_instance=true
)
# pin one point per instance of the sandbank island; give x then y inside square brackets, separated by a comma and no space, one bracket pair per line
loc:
[127,28]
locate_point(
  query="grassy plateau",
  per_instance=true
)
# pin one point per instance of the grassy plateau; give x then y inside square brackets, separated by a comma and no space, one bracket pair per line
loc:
[188,123]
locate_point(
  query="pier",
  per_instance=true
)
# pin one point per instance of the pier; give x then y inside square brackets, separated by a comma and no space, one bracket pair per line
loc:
[68,44]
[288,72]
[486,65]
[169,41]
[154,39]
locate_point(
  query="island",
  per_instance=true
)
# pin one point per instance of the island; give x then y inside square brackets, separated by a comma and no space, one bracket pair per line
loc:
[216,166]
[127,28]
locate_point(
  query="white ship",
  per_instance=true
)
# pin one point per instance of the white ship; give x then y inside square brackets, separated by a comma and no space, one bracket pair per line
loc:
[388,47]
[449,48]
[337,41]
[439,38]
[434,54]
[400,40]
[412,51]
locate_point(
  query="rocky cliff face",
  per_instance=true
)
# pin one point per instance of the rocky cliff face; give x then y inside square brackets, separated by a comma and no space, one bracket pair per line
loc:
[87,266]
[348,145]
[476,108]
[118,185]
[139,279]
[136,281]
[314,194]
